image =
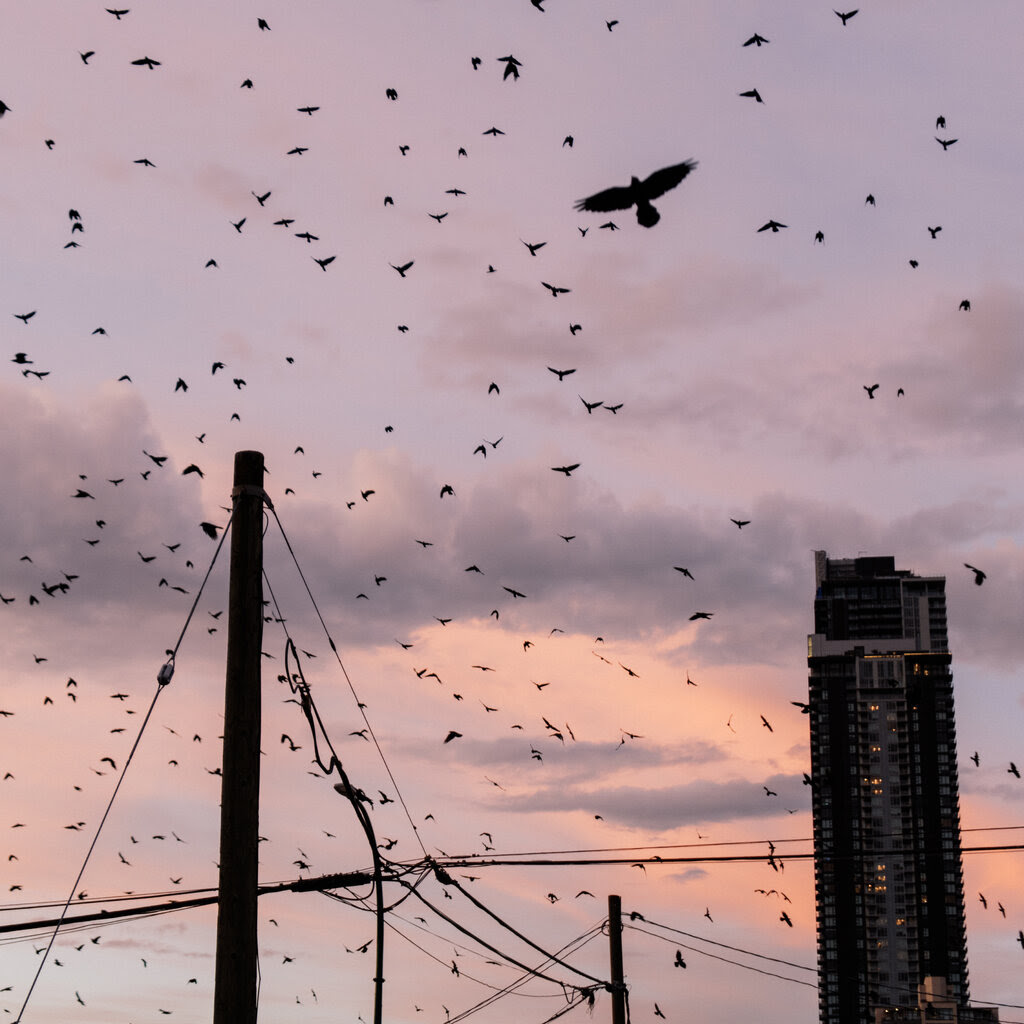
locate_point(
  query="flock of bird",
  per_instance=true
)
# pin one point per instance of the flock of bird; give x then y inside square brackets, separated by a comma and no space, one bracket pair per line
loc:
[175,564]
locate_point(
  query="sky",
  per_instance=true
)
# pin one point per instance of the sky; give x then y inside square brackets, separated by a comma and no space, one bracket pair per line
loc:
[709,372]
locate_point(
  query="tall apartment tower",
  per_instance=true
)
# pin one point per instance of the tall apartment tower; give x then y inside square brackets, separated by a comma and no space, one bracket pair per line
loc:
[887,871]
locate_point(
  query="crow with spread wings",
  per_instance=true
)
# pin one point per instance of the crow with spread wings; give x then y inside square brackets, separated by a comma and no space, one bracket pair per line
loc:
[638,193]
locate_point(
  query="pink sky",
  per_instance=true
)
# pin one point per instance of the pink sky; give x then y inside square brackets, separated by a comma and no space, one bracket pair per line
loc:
[739,358]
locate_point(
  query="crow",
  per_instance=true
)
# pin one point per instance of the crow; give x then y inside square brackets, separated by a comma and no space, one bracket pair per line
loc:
[979,575]
[638,193]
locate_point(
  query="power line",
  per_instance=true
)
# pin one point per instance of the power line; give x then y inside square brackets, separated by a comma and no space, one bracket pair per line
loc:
[164,677]
[735,963]
[445,879]
[554,859]
[708,846]
[493,949]
[359,704]
[721,945]
[316,884]
[762,956]
[512,988]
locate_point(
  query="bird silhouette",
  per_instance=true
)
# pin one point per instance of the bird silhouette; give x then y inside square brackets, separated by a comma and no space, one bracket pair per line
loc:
[638,193]
[512,67]
[979,575]
[555,291]
[844,18]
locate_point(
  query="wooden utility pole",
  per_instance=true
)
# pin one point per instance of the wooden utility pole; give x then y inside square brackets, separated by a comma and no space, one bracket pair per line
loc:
[615,945]
[234,998]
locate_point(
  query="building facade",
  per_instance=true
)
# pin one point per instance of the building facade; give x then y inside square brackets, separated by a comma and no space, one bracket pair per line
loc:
[887,863]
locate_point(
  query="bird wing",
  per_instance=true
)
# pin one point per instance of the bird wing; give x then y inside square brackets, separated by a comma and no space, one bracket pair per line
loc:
[618,198]
[658,183]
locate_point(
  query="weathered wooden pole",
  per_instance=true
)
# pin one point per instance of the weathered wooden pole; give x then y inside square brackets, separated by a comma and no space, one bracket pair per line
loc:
[618,983]
[235,985]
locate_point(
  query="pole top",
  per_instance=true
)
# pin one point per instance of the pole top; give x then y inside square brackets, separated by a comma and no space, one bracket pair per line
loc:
[249,469]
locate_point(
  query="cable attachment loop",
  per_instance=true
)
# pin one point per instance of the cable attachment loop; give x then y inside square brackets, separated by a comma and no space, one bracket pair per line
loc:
[252,491]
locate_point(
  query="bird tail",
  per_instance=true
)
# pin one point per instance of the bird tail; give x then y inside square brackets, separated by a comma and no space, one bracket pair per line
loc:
[647,215]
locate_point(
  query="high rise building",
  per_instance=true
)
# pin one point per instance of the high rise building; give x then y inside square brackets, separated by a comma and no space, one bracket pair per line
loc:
[888,880]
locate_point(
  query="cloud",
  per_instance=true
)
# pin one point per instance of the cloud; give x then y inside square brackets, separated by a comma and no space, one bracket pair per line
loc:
[659,809]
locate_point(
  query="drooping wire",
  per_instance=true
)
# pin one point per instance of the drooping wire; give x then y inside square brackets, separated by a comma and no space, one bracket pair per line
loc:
[352,689]
[361,903]
[163,678]
[771,959]
[574,945]
[721,945]
[497,952]
[587,997]
[297,683]
[446,879]
[455,945]
[734,963]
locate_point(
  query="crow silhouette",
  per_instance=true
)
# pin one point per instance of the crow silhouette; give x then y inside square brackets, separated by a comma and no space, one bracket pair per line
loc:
[638,193]
[979,575]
